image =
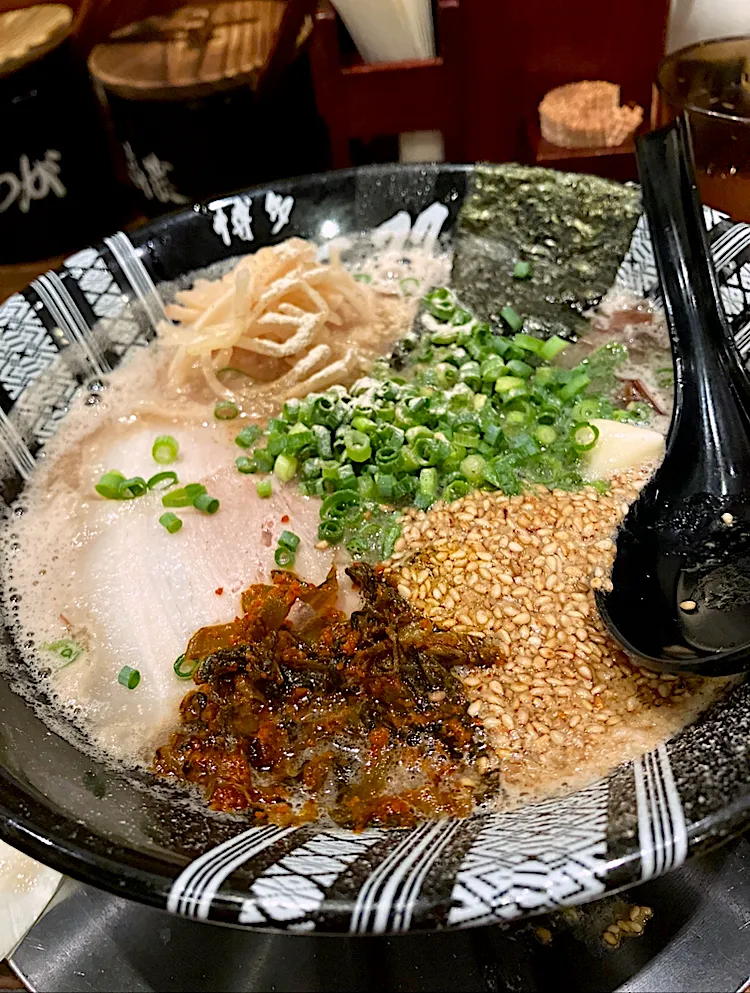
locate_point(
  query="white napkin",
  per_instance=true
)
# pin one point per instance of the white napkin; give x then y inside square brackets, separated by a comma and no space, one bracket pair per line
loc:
[26,887]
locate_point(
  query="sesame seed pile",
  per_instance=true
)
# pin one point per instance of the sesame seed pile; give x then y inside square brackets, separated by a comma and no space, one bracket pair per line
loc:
[522,570]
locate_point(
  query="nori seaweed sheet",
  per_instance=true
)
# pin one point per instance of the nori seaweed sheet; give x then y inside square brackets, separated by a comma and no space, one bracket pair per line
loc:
[574,229]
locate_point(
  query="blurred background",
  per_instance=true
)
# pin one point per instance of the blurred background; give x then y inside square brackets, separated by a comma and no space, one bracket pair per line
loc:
[114,111]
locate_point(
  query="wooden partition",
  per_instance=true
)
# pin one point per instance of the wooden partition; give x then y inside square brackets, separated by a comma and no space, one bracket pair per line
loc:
[516,50]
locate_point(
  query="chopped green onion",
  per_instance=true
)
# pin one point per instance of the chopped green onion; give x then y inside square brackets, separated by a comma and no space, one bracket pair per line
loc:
[444,336]
[263,488]
[522,270]
[427,488]
[365,425]
[552,347]
[109,485]
[506,384]
[520,368]
[337,504]
[460,316]
[584,436]
[358,447]
[491,368]
[183,668]
[247,436]
[455,490]
[366,487]
[131,488]
[226,410]
[169,478]
[67,649]
[511,318]
[473,468]
[665,377]
[545,434]
[171,522]
[289,540]
[165,449]
[128,677]
[246,465]
[230,370]
[331,531]
[440,303]
[362,277]
[409,286]
[298,438]
[283,557]
[284,468]
[206,504]
[575,386]
[184,497]
[264,459]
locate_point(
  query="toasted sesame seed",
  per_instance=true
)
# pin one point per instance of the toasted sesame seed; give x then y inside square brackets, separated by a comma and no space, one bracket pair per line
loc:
[688,605]
[519,572]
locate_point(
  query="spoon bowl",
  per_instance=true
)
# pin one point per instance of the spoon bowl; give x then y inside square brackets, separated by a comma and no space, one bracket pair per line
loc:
[680,597]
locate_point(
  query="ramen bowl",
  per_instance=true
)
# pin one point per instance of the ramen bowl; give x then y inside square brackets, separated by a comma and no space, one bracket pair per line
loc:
[122,830]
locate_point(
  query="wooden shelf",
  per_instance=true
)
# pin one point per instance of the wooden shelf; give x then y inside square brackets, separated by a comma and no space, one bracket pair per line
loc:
[616,162]
[362,101]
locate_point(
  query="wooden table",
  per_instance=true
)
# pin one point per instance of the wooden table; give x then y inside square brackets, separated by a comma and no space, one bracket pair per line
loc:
[14,278]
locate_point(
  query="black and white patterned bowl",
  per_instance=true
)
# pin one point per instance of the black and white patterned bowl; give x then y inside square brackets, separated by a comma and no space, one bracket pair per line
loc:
[118,831]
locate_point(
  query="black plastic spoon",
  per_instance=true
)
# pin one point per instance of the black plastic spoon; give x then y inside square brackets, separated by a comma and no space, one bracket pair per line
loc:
[681,579]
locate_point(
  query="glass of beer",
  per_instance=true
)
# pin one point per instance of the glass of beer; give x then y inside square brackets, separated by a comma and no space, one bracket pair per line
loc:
[710,83]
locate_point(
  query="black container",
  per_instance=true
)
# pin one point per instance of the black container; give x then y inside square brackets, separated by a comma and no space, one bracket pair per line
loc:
[56,186]
[178,151]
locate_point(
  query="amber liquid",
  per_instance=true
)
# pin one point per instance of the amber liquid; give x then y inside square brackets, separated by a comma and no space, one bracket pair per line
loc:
[726,189]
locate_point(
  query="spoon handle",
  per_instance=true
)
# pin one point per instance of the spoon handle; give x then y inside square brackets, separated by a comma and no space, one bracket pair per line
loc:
[711,394]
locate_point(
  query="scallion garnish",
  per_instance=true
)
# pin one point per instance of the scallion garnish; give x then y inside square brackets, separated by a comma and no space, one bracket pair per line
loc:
[263,488]
[230,370]
[285,467]
[522,270]
[171,522]
[409,286]
[128,677]
[226,410]
[284,557]
[289,540]
[585,436]
[67,649]
[362,277]
[184,497]
[206,504]
[165,449]
[109,485]
[131,488]
[245,465]
[247,436]
[185,668]
[552,348]
[168,479]
[511,318]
